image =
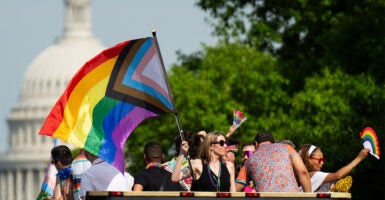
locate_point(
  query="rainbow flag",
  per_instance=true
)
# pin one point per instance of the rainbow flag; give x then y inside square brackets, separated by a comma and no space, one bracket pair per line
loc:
[370,141]
[109,96]
[238,118]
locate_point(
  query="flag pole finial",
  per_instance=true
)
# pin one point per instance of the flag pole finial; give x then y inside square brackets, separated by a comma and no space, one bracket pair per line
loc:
[153,32]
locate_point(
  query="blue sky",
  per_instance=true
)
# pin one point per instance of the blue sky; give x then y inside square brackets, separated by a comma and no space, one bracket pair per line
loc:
[28,27]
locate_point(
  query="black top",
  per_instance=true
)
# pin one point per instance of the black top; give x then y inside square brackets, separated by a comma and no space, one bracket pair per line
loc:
[156,179]
[204,183]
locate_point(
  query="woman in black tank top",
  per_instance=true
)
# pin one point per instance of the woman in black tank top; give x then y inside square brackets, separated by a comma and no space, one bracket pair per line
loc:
[209,167]
[208,181]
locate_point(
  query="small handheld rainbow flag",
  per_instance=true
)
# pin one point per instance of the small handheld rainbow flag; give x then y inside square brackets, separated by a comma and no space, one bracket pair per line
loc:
[238,118]
[370,141]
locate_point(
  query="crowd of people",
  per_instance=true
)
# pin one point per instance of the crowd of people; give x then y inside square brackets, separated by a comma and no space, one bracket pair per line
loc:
[204,162]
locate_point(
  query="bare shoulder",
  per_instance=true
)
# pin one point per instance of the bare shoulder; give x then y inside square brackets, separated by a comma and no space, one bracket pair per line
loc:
[196,161]
[196,164]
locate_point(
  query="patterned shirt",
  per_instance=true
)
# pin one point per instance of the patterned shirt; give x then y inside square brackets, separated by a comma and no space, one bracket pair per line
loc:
[79,165]
[271,170]
[186,180]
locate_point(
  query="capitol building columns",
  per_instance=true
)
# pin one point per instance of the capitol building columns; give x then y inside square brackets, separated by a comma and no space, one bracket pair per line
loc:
[23,164]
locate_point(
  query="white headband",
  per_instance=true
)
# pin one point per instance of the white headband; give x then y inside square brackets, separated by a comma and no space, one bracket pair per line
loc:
[311,149]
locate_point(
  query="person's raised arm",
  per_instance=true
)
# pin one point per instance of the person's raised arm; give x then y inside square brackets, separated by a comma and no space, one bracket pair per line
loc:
[57,195]
[341,173]
[231,131]
[176,173]
[301,171]
[241,180]
[231,168]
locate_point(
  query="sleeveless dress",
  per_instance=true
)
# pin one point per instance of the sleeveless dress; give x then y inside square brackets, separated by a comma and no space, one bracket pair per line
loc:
[205,183]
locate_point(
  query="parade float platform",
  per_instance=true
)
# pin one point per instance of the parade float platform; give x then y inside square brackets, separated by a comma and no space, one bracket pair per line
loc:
[100,195]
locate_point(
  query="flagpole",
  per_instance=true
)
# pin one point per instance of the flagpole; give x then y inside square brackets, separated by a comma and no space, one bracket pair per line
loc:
[172,100]
[168,86]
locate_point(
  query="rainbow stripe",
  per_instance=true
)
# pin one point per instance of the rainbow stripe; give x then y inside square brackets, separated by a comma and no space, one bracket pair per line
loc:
[370,140]
[108,97]
[238,118]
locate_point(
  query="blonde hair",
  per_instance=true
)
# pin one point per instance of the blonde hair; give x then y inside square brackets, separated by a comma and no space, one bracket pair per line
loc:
[211,137]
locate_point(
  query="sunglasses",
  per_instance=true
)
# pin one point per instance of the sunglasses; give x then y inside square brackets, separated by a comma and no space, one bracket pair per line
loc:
[319,159]
[247,153]
[220,142]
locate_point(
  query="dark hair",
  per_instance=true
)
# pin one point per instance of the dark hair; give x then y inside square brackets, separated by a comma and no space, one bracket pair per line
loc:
[230,141]
[195,145]
[264,136]
[153,152]
[248,144]
[61,153]
[177,140]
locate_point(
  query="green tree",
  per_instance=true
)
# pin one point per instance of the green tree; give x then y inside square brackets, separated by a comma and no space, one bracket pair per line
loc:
[226,78]
[330,112]
[307,35]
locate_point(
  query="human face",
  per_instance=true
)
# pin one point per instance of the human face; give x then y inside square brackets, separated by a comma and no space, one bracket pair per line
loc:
[247,151]
[220,142]
[57,164]
[230,156]
[219,146]
[317,160]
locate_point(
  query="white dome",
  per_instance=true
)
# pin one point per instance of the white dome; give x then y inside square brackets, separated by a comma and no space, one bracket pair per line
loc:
[25,161]
[47,76]
[49,73]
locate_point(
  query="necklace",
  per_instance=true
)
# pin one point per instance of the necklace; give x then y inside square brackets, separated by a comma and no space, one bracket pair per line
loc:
[153,165]
[217,180]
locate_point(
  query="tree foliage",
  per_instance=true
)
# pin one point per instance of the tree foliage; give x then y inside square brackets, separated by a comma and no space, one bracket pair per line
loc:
[307,35]
[308,71]
[329,112]
[228,78]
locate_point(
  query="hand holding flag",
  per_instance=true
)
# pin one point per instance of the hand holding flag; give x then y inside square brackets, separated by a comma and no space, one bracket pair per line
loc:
[370,141]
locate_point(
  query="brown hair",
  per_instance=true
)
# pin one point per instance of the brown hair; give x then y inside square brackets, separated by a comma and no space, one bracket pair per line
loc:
[304,153]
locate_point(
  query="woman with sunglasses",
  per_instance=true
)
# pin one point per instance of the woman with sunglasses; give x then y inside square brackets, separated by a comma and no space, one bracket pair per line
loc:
[210,172]
[314,159]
